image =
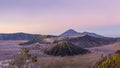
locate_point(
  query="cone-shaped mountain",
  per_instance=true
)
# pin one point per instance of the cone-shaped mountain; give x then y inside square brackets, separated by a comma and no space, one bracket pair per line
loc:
[70,32]
[65,49]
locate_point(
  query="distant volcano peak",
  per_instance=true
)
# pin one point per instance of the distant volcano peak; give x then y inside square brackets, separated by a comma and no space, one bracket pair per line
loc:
[69,32]
[72,32]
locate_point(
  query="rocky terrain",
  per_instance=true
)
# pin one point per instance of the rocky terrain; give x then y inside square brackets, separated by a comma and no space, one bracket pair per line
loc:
[10,48]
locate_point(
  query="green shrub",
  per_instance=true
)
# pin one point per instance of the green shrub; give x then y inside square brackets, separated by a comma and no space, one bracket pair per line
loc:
[110,62]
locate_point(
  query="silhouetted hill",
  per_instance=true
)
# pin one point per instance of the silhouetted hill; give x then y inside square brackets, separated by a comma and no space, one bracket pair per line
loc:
[70,32]
[18,36]
[89,41]
[65,49]
[93,35]
[83,41]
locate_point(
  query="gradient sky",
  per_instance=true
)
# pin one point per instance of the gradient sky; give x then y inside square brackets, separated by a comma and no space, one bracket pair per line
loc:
[56,16]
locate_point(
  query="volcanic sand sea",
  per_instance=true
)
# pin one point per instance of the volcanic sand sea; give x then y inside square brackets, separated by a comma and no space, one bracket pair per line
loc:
[9,48]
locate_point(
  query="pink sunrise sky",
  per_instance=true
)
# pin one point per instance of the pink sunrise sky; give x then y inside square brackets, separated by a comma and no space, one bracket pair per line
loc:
[56,16]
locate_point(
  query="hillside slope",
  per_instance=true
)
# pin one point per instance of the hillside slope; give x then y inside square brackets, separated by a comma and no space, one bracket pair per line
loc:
[72,32]
[18,36]
[89,41]
[65,49]
[110,62]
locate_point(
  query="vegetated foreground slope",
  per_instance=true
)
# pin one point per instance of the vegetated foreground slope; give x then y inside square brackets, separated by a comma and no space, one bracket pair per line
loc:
[65,49]
[110,61]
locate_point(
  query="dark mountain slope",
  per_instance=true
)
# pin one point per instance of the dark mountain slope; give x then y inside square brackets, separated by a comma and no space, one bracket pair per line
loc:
[18,36]
[89,41]
[65,49]
[93,35]
[70,32]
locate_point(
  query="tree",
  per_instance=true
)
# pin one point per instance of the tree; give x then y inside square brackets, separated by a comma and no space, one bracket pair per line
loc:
[24,59]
